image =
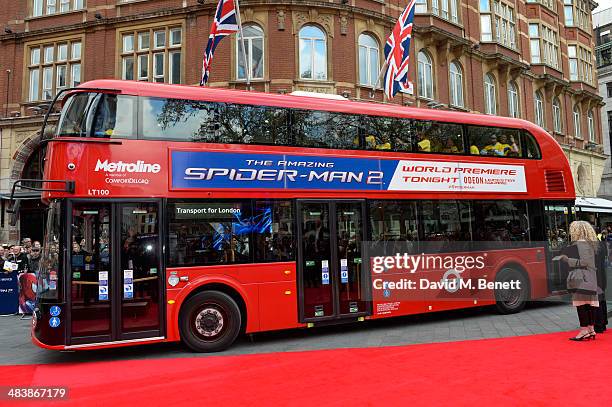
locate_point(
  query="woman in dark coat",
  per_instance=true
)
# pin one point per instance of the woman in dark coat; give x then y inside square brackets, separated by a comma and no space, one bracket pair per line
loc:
[582,279]
[601,312]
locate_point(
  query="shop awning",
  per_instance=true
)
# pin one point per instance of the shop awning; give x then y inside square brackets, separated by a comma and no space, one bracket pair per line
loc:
[593,204]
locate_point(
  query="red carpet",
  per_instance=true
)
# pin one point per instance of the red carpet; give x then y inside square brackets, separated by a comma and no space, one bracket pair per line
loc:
[538,370]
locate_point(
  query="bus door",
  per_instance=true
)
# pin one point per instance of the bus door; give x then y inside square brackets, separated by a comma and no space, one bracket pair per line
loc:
[557,218]
[114,263]
[330,260]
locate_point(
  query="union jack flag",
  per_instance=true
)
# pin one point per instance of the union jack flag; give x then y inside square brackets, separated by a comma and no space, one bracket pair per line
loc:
[224,24]
[397,51]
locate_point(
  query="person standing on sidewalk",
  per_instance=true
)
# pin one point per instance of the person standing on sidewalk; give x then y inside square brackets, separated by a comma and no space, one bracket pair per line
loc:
[18,259]
[582,279]
[34,259]
[601,312]
[26,245]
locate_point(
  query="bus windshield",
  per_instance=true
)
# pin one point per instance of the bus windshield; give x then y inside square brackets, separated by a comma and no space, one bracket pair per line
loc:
[48,275]
[73,121]
[98,115]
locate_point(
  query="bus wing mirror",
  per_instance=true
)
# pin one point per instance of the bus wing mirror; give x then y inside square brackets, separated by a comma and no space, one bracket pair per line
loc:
[14,213]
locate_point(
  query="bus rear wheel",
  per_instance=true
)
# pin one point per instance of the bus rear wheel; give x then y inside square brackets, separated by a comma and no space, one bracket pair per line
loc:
[512,300]
[209,321]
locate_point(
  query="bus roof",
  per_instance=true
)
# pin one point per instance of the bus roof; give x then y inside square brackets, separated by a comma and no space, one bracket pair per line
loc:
[300,101]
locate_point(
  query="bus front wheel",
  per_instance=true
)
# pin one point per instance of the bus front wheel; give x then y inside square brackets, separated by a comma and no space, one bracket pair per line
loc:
[513,299]
[209,321]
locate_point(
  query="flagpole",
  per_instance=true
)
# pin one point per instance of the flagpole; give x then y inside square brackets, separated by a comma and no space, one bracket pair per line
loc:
[247,68]
[380,74]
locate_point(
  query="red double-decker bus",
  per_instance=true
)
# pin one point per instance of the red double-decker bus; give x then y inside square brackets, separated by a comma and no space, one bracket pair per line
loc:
[197,214]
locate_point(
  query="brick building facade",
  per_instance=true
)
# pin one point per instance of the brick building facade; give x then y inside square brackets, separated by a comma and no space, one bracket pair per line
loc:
[532,60]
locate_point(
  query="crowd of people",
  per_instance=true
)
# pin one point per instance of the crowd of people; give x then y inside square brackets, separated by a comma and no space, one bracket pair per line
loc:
[24,258]
[22,262]
[605,234]
[435,141]
[504,146]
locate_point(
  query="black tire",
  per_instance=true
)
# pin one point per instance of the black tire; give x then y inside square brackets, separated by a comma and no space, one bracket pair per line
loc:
[209,321]
[511,301]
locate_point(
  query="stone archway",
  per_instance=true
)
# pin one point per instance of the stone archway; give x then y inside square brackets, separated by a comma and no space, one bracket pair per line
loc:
[23,152]
[19,160]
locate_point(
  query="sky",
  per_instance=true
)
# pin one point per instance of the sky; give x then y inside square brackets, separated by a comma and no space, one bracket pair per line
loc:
[603,4]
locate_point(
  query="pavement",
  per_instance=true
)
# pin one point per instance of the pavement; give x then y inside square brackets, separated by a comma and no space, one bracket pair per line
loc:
[470,324]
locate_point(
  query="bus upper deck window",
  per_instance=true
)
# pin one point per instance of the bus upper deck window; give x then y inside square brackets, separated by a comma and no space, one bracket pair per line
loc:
[321,129]
[432,137]
[115,117]
[532,150]
[494,141]
[387,133]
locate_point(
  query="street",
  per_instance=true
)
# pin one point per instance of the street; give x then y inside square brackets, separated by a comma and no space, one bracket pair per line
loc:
[479,323]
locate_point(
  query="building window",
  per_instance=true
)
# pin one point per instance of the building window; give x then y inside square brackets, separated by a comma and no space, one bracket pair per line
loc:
[580,64]
[425,75]
[447,9]
[53,67]
[513,100]
[498,21]
[490,94]
[582,11]
[604,37]
[254,48]
[548,3]
[591,126]
[486,34]
[539,109]
[577,13]
[577,131]
[586,64]
[550,45]
[313,53]
[37,8]
[609,89]
[603,51]
[544,45]
[454,11]
[556,112]
[568,12]
[421,6]
[456,84]
[152,54]
[534,43]
[573,62]
[47,7]
[368,60]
